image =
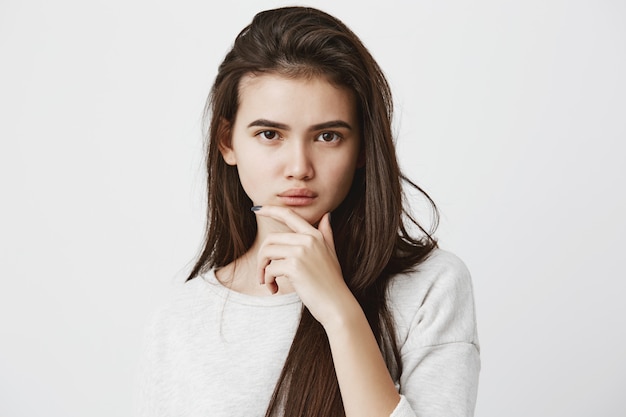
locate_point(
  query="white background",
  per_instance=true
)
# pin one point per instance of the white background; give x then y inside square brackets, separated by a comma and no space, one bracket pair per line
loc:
[510,113]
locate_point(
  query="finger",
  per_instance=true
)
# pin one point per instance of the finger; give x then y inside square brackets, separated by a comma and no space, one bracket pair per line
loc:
[285,216]
[289,239]
[271,255]
[327,232]
[278,247]
[271,285]
[271,272]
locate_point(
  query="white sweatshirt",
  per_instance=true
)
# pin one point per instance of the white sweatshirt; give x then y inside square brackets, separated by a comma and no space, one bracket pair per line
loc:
[215,352]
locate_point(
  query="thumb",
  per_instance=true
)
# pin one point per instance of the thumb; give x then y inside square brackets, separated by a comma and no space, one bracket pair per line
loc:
[326,230]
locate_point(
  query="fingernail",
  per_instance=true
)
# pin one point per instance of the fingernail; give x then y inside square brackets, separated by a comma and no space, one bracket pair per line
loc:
[256,208]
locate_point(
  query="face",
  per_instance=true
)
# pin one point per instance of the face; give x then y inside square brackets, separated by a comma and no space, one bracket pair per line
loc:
[295,142]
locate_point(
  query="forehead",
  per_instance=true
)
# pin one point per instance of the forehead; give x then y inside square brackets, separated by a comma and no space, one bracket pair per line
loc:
[311,99]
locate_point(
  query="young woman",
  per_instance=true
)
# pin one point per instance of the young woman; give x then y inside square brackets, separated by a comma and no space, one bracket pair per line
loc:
[311,297]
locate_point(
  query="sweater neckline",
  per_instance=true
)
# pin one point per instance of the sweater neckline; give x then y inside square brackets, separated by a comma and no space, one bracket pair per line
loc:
[226,293]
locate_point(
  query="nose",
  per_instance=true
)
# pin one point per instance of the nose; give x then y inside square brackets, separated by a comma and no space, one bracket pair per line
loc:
[299,161]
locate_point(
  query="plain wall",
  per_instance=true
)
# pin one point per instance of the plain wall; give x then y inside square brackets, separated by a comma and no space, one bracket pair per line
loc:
[511,114]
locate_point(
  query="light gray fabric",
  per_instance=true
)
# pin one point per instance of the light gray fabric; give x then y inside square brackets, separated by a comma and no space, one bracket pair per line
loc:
[215,352]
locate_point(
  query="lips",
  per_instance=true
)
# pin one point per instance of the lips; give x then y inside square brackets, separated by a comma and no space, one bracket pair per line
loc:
[297,197]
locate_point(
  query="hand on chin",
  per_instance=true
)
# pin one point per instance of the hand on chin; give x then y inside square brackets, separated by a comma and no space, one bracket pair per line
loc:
[271,225]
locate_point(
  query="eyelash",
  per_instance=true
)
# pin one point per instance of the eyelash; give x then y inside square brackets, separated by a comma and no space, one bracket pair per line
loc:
[336,136]
[263,132]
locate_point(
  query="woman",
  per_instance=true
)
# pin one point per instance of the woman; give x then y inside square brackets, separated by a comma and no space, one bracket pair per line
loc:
[289,310]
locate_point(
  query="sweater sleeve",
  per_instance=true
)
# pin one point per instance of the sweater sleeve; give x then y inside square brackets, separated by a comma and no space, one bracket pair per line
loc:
[436,325]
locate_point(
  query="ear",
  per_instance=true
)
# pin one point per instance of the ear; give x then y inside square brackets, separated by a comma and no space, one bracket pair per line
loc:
[224,142]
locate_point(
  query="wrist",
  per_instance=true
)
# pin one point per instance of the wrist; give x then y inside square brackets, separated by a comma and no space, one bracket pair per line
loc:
[347,317]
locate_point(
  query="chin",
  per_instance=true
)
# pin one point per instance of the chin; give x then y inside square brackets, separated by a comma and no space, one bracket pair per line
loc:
[312,216]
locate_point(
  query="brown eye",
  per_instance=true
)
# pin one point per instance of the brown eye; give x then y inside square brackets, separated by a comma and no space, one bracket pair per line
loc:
[328,137]
[269,134]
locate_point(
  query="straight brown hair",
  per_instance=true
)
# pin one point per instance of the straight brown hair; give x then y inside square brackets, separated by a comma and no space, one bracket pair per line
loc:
[370,226]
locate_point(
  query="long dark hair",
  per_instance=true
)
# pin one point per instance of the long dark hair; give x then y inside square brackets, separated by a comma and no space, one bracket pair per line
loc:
[371,225]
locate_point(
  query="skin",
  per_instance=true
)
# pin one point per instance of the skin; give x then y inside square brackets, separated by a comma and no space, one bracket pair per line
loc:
[281,143]
[296,145]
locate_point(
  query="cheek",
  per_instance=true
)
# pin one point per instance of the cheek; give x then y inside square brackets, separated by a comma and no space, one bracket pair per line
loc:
[255,176]
[342,180]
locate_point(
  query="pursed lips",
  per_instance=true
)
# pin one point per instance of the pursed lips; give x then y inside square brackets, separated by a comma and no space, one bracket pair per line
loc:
[297,196]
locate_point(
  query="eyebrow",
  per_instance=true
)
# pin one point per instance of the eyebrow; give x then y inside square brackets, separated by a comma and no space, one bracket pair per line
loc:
[326,125]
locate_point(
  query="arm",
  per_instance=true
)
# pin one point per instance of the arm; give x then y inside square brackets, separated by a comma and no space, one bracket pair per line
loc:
[435,319]
[364,381]
[433,309]
[436,323]
[307,258]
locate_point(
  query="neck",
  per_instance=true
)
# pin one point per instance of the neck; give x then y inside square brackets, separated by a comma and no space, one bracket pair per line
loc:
[242,275]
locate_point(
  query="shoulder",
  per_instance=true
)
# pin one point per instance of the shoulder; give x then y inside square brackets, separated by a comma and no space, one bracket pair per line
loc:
[183,304]
[434,303]
[435,323]
[184,294]
[441,270]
